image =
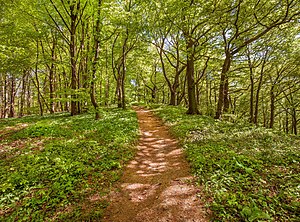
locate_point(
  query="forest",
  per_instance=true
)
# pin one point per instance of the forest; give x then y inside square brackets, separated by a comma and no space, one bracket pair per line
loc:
[223,75]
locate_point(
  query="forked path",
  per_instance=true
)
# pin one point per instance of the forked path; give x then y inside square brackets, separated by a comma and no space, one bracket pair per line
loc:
[156,186]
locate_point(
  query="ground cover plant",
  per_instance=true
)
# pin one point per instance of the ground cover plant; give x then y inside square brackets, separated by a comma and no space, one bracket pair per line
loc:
[58,167]
[248,173]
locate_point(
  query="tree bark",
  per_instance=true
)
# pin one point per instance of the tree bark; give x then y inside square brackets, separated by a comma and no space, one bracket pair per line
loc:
[191,85]
[23,93]
[95,62]
[37,80]
[272,107]
[251,111]
[12,98]
[51,77]
[123,76]
[294,121]
[73,17]
[222,86]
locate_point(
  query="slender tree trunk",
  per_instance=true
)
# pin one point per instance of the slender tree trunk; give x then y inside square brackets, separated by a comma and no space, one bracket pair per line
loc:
[28,95]
[255,120]
[272,107]
[107,85]
[265,120]
[286,121]
[226,96]
[118,92]
[23,93]
[172,93]
[172,97]
[95,62]
[4,96]
[251,113]
[222,86]
[37,80]
[12,98]
[107,88]
[191,85]
[51,78]
[294,121]
[123,76]
[163,95]
[73,16]
[251,99]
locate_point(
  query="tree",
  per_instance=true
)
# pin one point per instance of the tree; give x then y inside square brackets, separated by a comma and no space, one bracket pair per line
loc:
[247,22]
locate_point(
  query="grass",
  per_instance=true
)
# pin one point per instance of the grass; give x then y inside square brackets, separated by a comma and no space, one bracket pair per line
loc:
[58,168]
[249,173]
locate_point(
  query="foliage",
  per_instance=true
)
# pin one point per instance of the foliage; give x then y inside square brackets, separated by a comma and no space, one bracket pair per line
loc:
[251,173]
[51,169]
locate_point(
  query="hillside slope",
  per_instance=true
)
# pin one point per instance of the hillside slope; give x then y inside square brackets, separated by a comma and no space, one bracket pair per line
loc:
[249,173]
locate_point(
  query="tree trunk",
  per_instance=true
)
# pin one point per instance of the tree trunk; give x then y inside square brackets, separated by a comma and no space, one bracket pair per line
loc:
[223,80]
[294,121]
[28,95]
[74,108]
[226,96]
[191,85]
[173,97]
[251,112]
[255,120]
[12,98]
[4,97]
[95,62]
[23,93]
[123,76]
[107,85]
[118,92]
[272,107]
[286,121]
[51,78]
[37,80]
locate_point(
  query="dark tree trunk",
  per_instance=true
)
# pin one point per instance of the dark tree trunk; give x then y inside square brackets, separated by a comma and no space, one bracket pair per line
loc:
[73,16]
[4,98]
[272,107]
[12,98]
[119,92]
[37,81]
[173,97]
[222,86]
[51,77]
[95,62]
[191,85]
[123,76]
[226,96]
[294,121]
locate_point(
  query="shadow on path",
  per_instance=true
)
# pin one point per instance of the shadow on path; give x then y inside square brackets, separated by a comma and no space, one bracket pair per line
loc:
[157,184]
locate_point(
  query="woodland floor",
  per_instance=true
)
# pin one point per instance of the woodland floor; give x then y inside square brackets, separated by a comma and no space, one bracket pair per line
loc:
[157,184]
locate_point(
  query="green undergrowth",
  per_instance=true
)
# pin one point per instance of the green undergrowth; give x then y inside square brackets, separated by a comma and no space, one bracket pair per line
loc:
[248,173]
[58,167]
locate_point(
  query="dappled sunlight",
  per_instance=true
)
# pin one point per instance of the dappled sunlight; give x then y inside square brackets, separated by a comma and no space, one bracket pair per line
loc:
[139,192]
[150,139]
[155,186]
[175,152]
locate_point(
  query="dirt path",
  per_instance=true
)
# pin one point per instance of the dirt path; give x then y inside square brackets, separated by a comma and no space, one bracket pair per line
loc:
[156,185]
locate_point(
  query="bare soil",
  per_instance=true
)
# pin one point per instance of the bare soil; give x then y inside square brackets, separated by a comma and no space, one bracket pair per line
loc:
[157,185]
